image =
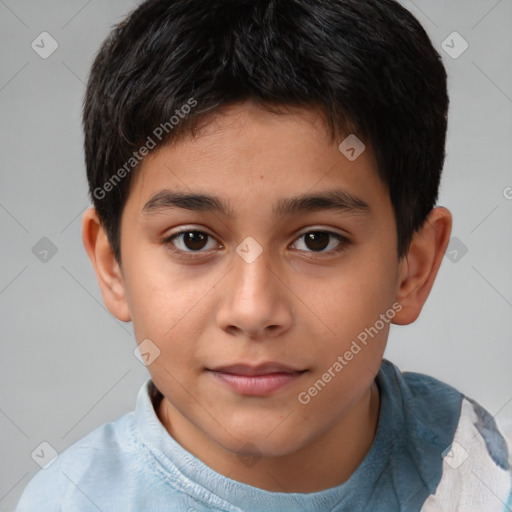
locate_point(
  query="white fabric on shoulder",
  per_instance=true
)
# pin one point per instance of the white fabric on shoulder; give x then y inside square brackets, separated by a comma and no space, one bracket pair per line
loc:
[474,479]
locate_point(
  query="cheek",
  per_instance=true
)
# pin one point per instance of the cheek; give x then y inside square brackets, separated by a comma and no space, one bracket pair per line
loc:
[159,295]
[352,298]
[172,310]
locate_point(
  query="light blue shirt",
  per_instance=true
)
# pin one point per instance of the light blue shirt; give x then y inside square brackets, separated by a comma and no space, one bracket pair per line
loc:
[435,450]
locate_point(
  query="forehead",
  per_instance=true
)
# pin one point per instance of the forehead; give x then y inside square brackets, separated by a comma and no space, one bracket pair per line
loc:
[286,161]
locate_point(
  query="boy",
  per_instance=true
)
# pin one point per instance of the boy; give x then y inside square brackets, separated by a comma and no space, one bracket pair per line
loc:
[263,128]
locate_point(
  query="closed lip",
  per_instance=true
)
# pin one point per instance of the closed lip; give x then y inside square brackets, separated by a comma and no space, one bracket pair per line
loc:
[256,370]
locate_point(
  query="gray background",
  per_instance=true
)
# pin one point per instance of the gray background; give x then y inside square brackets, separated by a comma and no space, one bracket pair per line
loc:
[67,364]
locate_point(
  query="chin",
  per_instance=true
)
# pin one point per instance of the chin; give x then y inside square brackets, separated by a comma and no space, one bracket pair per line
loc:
[260,441]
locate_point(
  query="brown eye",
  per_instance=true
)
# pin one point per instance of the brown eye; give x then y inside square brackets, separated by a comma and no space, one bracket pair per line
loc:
[195,240]
[318,241]
[189,240]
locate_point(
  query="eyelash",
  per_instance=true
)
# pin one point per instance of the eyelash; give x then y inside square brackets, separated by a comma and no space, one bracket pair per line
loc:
[344,242]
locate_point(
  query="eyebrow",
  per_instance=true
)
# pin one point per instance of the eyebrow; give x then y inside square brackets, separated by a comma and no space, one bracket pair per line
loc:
[336,200]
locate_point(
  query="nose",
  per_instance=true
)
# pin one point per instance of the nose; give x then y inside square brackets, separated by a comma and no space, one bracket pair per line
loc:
[255,301]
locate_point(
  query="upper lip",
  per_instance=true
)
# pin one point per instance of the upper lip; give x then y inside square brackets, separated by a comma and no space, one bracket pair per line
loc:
[260,369]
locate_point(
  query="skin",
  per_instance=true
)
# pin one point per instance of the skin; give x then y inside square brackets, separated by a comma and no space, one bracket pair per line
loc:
[298,304]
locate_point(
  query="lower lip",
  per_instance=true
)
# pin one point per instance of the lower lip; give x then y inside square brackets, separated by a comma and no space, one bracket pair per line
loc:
[257,385]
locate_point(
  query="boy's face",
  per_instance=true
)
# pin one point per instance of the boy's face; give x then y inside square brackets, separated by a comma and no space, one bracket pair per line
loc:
[206,304]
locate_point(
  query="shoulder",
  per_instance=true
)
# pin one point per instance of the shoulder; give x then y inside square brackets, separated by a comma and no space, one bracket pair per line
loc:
[423,389]
[454,443]
[437,404]
[102,452]
[476,465]
[429,409]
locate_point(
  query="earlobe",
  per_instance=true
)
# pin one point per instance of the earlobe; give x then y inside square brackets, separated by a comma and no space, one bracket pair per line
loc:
[106,267]
[418,269]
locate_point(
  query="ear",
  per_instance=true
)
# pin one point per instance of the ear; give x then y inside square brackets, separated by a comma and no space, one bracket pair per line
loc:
[106,267]
[418,269]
